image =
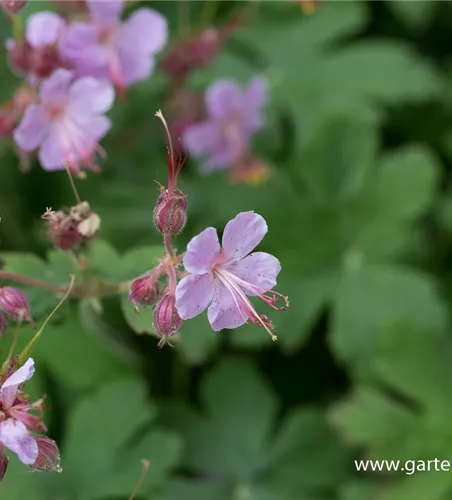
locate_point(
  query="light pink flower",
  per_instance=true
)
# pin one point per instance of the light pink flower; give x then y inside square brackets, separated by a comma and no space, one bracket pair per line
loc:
[16,421]
[106,47]
[233,116]
[222,278]
[68,123]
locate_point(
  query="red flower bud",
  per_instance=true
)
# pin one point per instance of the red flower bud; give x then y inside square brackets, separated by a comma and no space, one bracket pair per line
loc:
[48,455]
[170,213]
[166,319]
[19,56]
[7,123]
[13,6]
[44,60]
[63,230]
[14,303]
[144,290]
[3,462]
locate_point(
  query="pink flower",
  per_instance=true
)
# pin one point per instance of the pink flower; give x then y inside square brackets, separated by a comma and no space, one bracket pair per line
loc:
[234,115]
[108,48]
[16,421]
[37,55]
[68,123]
[222,278]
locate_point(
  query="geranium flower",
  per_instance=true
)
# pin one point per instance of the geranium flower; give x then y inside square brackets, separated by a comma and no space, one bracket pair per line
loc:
[222,278]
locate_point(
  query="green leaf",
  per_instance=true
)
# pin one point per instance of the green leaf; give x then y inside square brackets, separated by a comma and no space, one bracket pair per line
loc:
[140,322]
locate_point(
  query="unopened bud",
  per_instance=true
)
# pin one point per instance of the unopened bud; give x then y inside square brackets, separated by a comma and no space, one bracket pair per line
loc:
[19,55]
[13,6]
[7,123]
[170,213]
[48,455]
[44,60]
[14,303]
[144,290]
[166,318]
[3,462]
[63,230]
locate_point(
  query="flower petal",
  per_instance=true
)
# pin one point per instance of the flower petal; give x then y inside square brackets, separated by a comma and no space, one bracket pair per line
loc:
[56,86]
[32,129]
[105,11]
[193,294]
[223,311]
[10,386]
[134,66]
[202,251]
[242,234]
[259,269]
[145,30]
[51,155]
[256,94]
[202,138]
[91,94]
[43,28]
[14,435]
[223,98]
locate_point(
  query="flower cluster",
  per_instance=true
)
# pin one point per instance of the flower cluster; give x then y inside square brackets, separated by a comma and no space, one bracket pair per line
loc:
[220,279]
[20,420]
[75,64]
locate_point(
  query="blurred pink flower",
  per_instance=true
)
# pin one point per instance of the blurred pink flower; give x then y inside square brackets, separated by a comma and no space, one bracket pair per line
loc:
[69,121]
[222,278]
[233,116]
[106,47]
[16,422]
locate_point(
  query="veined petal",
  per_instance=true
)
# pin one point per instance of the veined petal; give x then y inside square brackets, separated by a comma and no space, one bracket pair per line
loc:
[10,386]
[14,435]
[32,129]
[43,28]
[202,251]
[242,234]
[134,66]
[145,31]
[91,94]
[223,98]
[193,294]
[224,311]
[259,269]
[51,155]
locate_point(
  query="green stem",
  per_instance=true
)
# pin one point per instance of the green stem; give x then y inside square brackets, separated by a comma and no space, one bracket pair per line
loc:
[17,26]
[208,13]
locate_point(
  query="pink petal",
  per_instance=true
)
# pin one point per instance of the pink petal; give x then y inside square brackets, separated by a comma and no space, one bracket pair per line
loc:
[32,129]
[223,311]
[105,11]
[92,95]
[134,66]
[259,268]
[256,94]
[242,234]
[193,294]
[223,98]
[56,86]
[145,31]
[10,386]
[202,251]
[223,157]
[51,155]
[14,435]
[43,28]
[202,138]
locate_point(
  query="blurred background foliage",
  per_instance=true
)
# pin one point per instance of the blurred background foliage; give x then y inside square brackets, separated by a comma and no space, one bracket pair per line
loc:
[359,208]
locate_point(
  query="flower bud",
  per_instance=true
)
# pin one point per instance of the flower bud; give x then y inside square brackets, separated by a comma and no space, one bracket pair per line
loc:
[144,290]
[170,213]
[19,55]
[44,60]
[13,6]
[3,322]
[14,303]
[7,123]
[166,318]
[3,462]
[48,455]
[63,230]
